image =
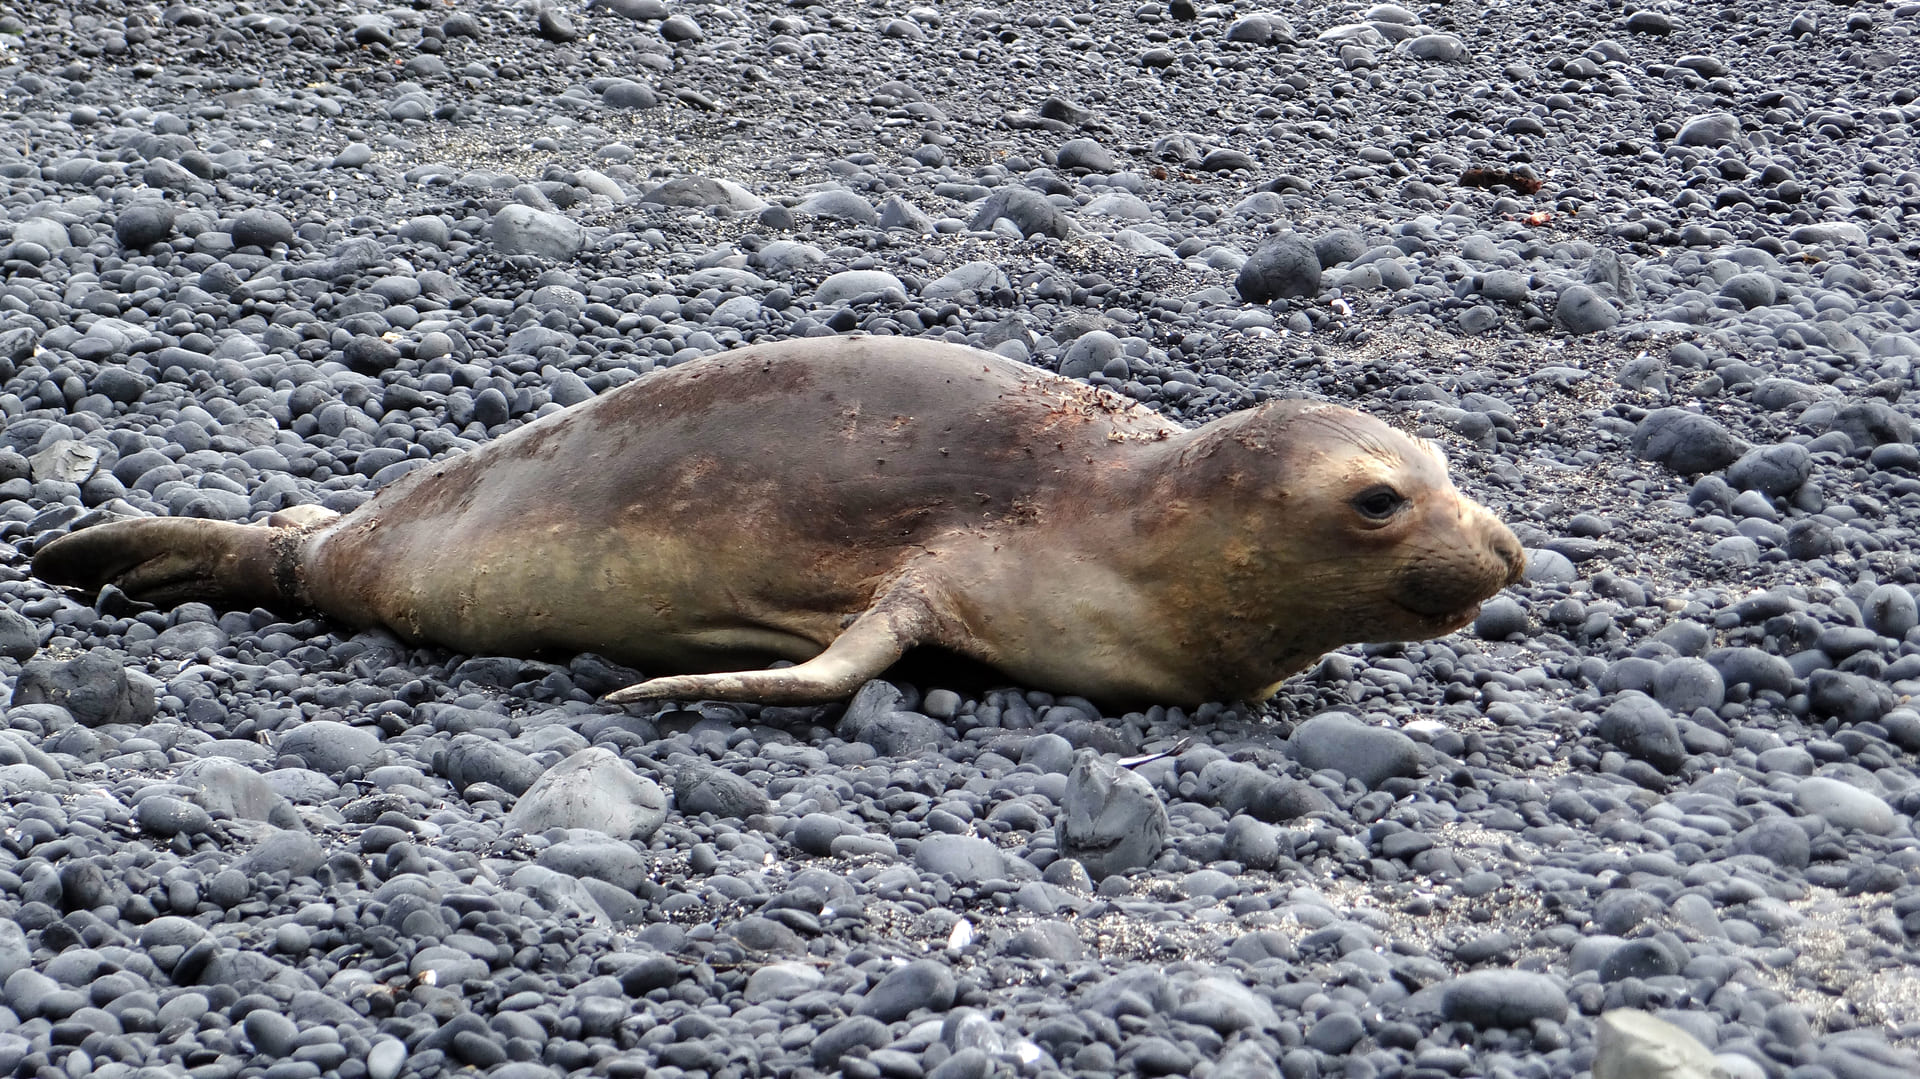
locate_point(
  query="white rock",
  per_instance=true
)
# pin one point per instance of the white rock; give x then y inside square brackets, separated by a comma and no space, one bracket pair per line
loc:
[1636,1045]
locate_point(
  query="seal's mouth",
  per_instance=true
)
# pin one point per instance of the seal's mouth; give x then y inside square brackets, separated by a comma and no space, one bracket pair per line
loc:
[1439,625]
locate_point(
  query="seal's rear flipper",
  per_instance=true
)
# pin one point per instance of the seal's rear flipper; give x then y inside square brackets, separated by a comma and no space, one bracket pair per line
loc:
[170,560]
[874,642]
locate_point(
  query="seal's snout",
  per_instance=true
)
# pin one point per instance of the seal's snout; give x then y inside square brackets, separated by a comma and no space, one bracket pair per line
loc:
[1449,579]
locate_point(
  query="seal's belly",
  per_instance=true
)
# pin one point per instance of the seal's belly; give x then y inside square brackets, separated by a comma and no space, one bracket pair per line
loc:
[558,587]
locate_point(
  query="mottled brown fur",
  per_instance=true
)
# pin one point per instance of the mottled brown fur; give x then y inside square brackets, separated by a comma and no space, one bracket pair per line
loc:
[865,495]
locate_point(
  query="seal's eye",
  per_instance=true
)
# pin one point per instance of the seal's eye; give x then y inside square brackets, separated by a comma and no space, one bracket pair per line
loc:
[1378,503]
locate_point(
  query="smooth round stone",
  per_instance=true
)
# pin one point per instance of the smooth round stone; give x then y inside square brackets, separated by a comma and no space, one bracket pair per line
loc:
[1713,129]
[271,1033]
[1580,311]
[1284,266]
[923,983]
[261,228]
[143,224]
[782,981]
[1085,154]
[332,747]
[1499,618]
[1844,806]
[1502,998]
[1749,290]
[1358,750]
[850,285]
[628,94]
[1778,840]
[1685,441]
[1638,1045]
[1443,48]
[385,1058]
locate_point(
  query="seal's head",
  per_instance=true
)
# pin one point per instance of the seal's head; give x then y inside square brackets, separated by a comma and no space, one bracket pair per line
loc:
[1417,556]
[1346,531]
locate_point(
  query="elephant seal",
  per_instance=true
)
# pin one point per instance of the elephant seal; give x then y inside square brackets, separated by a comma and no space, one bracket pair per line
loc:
[837,501]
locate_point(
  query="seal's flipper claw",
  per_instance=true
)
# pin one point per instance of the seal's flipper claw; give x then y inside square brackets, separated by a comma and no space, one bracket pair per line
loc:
[682,687]
[874,642]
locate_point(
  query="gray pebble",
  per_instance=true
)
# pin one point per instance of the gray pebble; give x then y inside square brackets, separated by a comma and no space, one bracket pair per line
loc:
[1111,820]
[1085,154]
[1340,742]
[1501,617]
[1775,470]
[523,230]
[1502,998]
[702,788]
[332,748]
[1282,267]
[1686,442]
[969,859]
[1713,129]
[261,228]
[1641,728]
[1580,310]
[595,790]
[848,286]
[1844,806]
[921,984]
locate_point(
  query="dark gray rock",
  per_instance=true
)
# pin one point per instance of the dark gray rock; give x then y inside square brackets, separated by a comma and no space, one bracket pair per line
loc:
[93,687]
[1776,471]
[615,861]
[1502,998]
[1641,727]
[19,637]
[1686,442]
[294,853]
[592,789]
[1340,742]
[472,759]
[332,748]
[966,858]
[837,1040]
[523,230]
[1850,698]
[261,228]
[1282,267]
[1027,209]
[1890,611]
[1776,839]
[1872,423]
[702,788]
[1111,820]
[921,984]
[1086,154]
[143,224]
[1580,311]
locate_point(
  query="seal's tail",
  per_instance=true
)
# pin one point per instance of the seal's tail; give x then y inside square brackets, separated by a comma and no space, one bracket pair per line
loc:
[167,561]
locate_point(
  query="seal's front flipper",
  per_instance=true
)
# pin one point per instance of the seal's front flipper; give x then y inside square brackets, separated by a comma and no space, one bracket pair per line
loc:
[874,642]
[170,560]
